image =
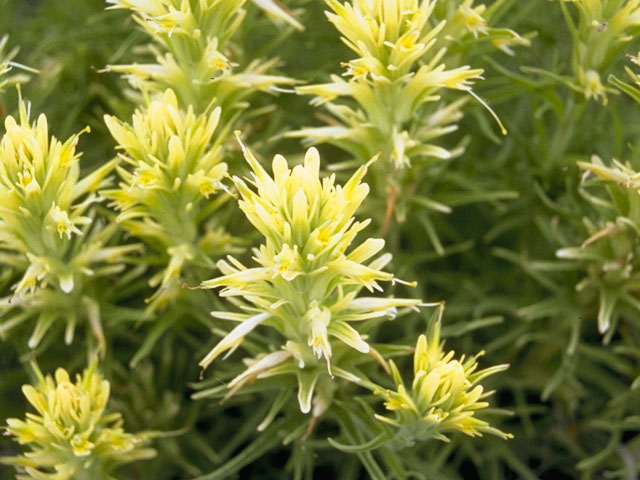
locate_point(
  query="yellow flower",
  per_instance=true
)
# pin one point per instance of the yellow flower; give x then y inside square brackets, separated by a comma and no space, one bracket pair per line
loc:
[400,70]
[172,153]
[41,196]
[45,172]
[308,276]
[591,86]
[45,212]
[472,18]
[318,320]
[63,224]
[390,35]
[70,436]
[174,159]
[444,395]
[192,54]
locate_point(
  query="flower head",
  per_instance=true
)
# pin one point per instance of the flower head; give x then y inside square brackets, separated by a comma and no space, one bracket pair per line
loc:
[444,395]
[172,153]
[41,197]
[192,52]
[608,257]
[49,233]
[70,436]
[401,69]
[308,275]
[391,35]
[172,166]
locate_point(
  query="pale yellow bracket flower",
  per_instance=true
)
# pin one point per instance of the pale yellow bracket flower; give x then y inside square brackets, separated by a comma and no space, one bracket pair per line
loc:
[400,70]
[444,396]
[308,277]
[40,186]
[172,174]
[47,233]
[70,437]
[192,53]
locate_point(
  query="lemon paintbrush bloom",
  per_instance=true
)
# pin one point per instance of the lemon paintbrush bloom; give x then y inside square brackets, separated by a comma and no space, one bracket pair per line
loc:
[171,166]
[400,70]
[308,277]
[192,54]
[40,189]
[70,437]
[48,232]
[444,395]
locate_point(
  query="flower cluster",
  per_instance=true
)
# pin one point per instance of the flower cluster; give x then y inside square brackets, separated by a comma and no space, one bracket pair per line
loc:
[307,283]
[70,437]
[173,146]
[600,33]
[610,255]
[172,166]
[193,58]
[390,103]
[465,21]
[47,233]
[444,396]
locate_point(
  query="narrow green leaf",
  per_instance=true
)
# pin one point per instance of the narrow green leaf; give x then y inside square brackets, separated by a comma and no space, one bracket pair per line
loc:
[372,444]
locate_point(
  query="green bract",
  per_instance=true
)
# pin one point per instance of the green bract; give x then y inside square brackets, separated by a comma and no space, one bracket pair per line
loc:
[610,253]
[7,64]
